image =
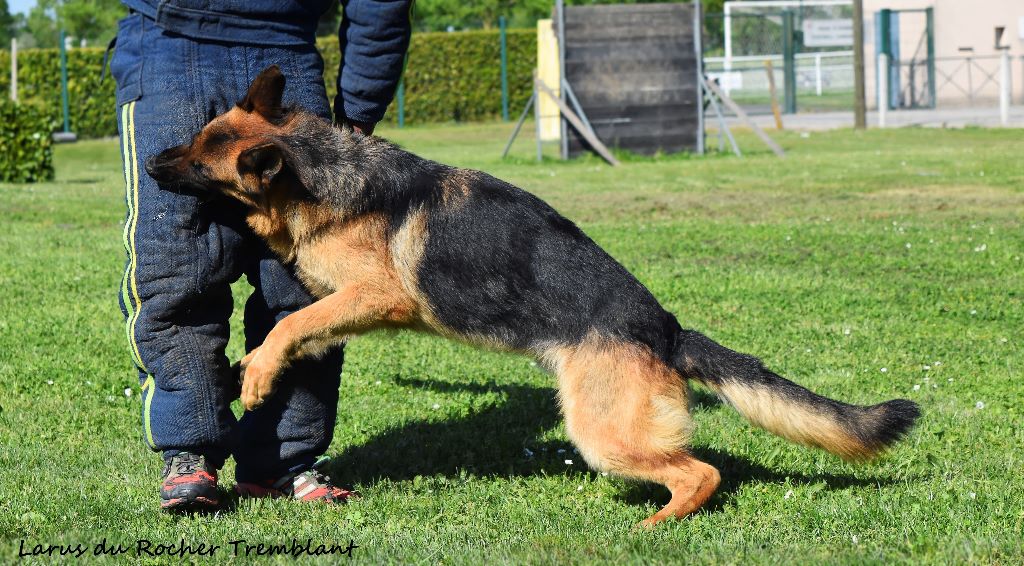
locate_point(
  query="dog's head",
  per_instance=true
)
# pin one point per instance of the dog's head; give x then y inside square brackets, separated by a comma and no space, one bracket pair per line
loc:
[240,153]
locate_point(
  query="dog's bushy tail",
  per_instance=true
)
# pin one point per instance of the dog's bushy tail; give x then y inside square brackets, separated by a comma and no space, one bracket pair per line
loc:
[784,408]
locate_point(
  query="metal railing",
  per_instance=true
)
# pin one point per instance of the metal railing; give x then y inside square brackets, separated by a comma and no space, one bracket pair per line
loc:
[824,81]
[972,76]
[818,70]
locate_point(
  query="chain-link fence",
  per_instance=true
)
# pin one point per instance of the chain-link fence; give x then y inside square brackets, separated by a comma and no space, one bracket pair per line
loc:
[806,49]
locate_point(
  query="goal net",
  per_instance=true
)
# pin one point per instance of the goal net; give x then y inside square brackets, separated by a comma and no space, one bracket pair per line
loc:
[748,33]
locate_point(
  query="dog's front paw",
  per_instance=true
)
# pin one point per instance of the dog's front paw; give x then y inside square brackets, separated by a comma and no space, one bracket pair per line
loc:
[259,375]
[247,359]
[238,373]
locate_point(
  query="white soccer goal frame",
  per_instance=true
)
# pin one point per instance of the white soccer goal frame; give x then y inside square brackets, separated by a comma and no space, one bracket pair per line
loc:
[727,20]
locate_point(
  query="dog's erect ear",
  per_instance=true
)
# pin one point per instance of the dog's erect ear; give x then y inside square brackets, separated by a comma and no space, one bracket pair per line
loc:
[264,161]
[265,94]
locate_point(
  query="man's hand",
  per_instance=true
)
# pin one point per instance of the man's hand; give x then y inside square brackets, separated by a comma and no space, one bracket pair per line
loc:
[364,128]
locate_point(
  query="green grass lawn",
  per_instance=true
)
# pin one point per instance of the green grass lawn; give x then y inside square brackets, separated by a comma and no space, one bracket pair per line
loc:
[807,100]
[866,266]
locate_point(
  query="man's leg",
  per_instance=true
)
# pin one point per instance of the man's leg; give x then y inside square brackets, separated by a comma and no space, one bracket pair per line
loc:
[182,256]
[295,427]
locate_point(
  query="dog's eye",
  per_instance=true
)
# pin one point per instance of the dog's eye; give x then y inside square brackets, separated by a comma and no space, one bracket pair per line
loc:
[218,138]
[198,168]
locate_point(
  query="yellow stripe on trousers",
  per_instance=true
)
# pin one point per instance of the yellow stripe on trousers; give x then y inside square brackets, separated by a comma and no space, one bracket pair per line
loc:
[129,287]
[147,402]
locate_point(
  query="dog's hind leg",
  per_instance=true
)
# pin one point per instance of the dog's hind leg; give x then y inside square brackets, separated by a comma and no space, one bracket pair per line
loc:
[627,413]
[691,482]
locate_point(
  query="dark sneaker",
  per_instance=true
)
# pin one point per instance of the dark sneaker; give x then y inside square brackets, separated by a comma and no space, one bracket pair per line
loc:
[311,485]
[189,484]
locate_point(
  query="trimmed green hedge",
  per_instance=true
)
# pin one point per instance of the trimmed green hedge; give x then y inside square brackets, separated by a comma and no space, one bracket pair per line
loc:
[26,145]
[449,77]
[455,76]
[90,104]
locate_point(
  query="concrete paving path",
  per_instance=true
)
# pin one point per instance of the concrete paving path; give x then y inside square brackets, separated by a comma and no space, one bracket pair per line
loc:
[932,118]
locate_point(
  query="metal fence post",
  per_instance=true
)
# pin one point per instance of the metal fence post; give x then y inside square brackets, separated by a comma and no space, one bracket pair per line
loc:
[64,79]
[883,88]
[789,65]
[698,48]
[930,22]
[817,73]
[563,129]
[504,70]
[883,22]
[14,69]
[970,81]
[728,36]
[1004,88]
[401,102]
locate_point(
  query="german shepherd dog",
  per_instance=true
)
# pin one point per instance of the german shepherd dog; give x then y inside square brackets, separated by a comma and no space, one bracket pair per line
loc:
[385,239]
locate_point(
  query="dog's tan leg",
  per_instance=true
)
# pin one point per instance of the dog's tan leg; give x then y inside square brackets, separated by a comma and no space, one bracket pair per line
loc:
[691,482]
[311,331]
[626,411]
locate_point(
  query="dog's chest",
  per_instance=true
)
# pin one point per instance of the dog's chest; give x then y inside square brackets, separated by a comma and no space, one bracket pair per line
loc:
[349,253]
[317,285]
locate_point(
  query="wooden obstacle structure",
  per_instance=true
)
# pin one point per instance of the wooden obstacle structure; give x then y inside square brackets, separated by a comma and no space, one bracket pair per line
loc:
[631,78]
[635,70]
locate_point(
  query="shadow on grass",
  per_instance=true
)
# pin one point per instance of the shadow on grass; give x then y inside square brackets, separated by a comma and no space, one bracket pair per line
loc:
[503,440]
[489,442]
[81,181]
[737,471]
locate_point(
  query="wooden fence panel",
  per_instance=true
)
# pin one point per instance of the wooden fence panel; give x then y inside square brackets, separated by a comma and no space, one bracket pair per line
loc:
[634,70]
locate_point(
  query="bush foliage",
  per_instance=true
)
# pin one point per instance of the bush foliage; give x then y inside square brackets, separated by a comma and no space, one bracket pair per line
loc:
[26,148]
[454,76]
[449,77]
[90,102]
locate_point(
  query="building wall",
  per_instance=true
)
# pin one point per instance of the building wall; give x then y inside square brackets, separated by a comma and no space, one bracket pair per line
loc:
[958,24]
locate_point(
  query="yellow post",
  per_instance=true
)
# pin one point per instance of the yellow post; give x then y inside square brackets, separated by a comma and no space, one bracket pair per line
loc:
[548,71]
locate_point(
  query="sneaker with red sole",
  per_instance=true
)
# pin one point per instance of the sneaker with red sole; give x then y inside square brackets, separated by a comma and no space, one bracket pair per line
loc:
[310,485]
[189,484]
